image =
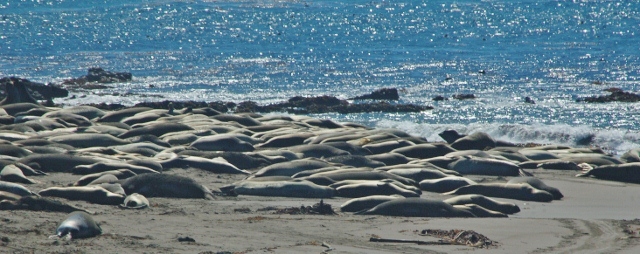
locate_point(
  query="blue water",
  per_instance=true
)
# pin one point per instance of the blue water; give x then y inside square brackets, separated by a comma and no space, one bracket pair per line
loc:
[268,51]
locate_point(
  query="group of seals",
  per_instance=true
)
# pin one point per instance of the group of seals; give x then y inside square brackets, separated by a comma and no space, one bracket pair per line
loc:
[124,157]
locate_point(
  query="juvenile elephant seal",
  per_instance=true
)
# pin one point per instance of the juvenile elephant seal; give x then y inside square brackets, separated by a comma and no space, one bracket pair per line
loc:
[477,141]
[165,185]
[373,188]
[445,184]
[84,140]
[56,162]
[108,166]
[538,184]
[627,172]
[416,207]
[424,151]
[355,161]
[488,203]
[418,174]
[480,211]
[290,168]
[78,225]
[520,191]
[368,202]
[135,201]
[11,173]
[35,203]
[15,189]
[297,189]
[92,194]
[222,143]
[484,166]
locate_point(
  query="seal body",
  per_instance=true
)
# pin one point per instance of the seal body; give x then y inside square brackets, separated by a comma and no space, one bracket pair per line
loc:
[78,225]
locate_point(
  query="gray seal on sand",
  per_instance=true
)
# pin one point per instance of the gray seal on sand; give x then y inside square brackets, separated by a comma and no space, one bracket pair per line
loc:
[135,201]
[78,225]
[416,207]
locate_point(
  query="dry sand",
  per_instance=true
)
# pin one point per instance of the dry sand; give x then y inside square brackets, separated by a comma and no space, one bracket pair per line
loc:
[595,216]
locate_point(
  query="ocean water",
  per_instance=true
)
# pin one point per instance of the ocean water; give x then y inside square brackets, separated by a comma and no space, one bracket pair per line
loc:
[552,51]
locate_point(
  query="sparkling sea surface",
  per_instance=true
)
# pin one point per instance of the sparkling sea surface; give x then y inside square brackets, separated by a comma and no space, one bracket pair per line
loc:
[268,51]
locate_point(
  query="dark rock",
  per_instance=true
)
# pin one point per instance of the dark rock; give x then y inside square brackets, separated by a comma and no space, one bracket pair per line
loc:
[99,75]
[529,100]
[464,96]
[616,95]
[440,98]
[380,94]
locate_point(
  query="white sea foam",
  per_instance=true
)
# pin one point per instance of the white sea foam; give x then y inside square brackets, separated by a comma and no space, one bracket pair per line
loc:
[616,141]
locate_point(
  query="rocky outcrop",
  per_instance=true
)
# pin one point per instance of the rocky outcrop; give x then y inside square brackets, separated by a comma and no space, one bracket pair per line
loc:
[98,75]
[22,90]
[464,96]
[327,104]
[616,95]
[380,94]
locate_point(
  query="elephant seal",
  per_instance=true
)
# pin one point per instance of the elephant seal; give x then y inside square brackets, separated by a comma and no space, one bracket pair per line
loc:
[11,173]
[538,184]
[222,142]
[389,159]
[108,166]
[373,188]
[92,194]
[216,165]
[488,203]
[135,201]
[419,174]
[35,203]
[165,185]
[484,166]
[106,178]
[363,174]
[120,174]
[368,202]
[286,140]
[424,151]
[480,211]
[450,135]
[627,172]
[445,184]
[296,189]
[15,189]
[118,115]
[477,140]
[56,162]
[317,150]
[78,225]
[416,207]
[355,161]
[387,146]
[85,140]
[290,168]
[156,129]
[350,148]
[519,191]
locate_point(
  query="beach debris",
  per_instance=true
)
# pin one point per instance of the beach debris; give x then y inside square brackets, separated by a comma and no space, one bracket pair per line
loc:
[460,237]
[186,239]
[319,208]
[447,237]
